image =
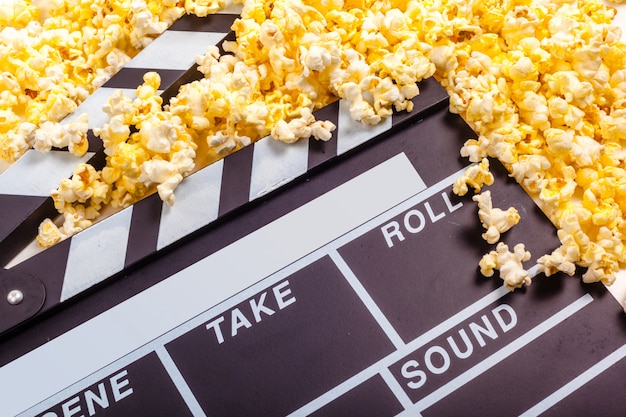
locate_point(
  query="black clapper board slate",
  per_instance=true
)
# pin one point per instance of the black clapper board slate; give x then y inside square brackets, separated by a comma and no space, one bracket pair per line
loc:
[353,290]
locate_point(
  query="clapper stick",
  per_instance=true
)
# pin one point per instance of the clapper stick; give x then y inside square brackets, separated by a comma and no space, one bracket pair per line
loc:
[105,249]
[25,187]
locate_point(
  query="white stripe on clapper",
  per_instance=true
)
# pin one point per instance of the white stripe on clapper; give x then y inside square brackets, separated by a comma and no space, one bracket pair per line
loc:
[351,133]
[175,50]
[275,163]
[374,310]
[179,382]
[96,253]
[36,173]
[577,382]
[197,204]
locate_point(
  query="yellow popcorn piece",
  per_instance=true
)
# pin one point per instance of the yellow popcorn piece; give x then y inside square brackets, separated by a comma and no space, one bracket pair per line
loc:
[495,220]
[475,176]
[508,263]
[561,259]
[72,135]
[49,234]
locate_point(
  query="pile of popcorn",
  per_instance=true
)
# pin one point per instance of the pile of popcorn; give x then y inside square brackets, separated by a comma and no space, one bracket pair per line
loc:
[54,54]
[542,83]
[289,59]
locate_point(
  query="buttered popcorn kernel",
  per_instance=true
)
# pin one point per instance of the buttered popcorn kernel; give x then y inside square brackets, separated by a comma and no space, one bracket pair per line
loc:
[475,176]
[510,265]
[495,220]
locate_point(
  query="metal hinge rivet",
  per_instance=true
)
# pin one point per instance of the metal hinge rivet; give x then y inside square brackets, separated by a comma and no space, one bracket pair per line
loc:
[14,297]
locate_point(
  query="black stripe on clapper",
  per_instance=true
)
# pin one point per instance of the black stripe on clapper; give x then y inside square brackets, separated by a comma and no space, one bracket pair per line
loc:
[95,144]
[144,229]
[236,177]
[219,22]
[49,266]
[21,216]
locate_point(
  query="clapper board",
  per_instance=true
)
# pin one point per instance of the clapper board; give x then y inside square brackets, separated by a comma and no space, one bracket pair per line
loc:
[320,278]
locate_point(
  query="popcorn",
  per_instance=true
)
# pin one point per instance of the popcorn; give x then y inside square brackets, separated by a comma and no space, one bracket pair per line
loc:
[561,259]
[303,127]
[496,221]
[16,142]
[547,100]
[157,170]
[74,221]
[508,263]
[444,59]
[49,234]
[157,135]
[85,184]
[54,54]
[599,265]
[72,135]
[530,171]
[167,187]
[559,141]
[202,8]
[475,176]
[360,109]
[144,24]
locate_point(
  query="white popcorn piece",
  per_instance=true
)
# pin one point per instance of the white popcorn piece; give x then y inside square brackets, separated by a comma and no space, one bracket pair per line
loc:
[166,189]
[49,234]
[530,171]
[495,220]
[508,263]
[17,141]
[561,259]
[202,8]
[303,127]
[157,135]
[475,176]
[72,135]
